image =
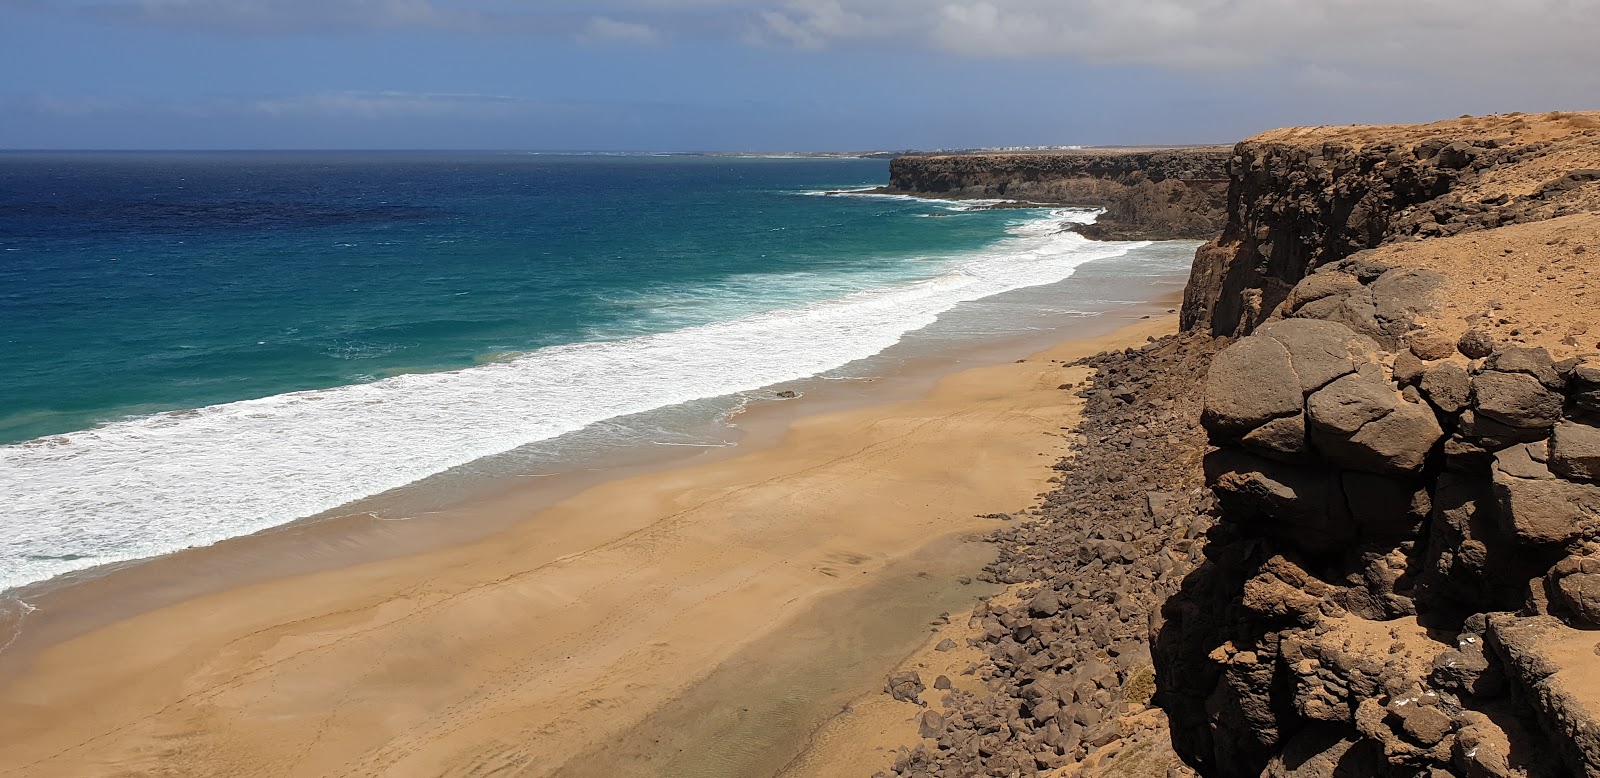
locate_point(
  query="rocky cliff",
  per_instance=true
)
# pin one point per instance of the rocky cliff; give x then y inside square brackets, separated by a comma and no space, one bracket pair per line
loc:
[1303,198]
[1356,532]
[1404,574]
[1159,194]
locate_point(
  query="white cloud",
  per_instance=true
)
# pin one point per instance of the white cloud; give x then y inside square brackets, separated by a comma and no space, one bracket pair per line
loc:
[602,29]
[813,24]
[1362,40]
[1211,35]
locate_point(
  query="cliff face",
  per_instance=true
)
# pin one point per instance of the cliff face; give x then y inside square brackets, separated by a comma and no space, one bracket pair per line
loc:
[1360,541]
[1404,574]
[1165,194]
[1304,198]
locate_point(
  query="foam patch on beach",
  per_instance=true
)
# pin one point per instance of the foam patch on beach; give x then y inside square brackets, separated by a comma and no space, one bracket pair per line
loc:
[159,483]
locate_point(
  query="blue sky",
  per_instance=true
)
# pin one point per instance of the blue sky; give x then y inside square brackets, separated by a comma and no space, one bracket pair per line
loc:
[767,74]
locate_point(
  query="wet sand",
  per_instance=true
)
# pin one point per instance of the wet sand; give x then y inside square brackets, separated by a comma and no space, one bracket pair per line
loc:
[559,641]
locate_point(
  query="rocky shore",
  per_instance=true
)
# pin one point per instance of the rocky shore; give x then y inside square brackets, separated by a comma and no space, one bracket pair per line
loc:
[1068,663]
[1348,523]
[1164,194]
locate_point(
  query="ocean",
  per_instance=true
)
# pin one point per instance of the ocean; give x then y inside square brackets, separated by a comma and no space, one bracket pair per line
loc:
[198,346]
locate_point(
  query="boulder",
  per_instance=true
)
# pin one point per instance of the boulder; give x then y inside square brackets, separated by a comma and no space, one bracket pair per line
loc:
[1586,388]
[906,687]
[1574,585]
[1482,749]
[1045,603]
[1321,286]
[1364,424]
[1516,399]
[1304,507]
[1400,294]
[1408,368]
[1319,351]
[1282,439]
[1528,460]
[1422,723]
[1457,155]
[1466,670]
[1447,386]
[1249,384]
[1575,451]
[1351,403]
[1535,362]
[1475,344]
[1432,346]
[1492,434]
[1326,752]
[1539,508]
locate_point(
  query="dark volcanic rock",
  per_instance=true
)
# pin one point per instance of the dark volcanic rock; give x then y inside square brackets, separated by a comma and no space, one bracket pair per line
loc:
[1575,452]
[1539,508]
[1447,386]
[1294,207]
[1070,665]
[1249,384]
[1516,399]
[1153,195]
[1364,424]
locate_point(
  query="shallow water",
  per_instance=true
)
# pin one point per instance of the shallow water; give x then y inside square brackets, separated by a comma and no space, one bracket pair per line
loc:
[211,345]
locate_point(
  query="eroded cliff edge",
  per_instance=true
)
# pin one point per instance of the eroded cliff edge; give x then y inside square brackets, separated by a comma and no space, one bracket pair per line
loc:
[1163,194]
[1349,520]
[1307,197]
[1404,576]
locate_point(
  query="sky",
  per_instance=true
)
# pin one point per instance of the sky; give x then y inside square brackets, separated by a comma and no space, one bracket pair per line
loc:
[767,75]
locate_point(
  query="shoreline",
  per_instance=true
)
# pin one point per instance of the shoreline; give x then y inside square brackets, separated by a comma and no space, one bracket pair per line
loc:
[514,416]
[399,522]
[568,544]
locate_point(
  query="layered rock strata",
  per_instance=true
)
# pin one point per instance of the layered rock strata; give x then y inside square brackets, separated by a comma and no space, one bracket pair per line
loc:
[1154,195]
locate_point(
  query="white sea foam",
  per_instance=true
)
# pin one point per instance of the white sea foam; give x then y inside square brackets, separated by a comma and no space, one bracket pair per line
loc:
[155,484]
[963,204]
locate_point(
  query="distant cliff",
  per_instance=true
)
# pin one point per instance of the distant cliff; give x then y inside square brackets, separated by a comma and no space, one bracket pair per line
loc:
[1147,195]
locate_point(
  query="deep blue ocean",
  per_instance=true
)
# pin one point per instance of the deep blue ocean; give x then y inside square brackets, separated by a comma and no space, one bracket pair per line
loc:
[201,345]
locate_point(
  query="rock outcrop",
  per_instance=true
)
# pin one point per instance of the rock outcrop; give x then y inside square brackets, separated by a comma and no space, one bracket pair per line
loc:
[1404,576]
[1147,195]
[1390,385]
[1308,197]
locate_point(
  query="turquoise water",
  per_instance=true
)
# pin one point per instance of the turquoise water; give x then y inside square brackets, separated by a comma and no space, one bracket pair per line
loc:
[204,345]
[139,283]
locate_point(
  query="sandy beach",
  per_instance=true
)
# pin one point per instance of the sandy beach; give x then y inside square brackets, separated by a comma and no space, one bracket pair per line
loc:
[561,643]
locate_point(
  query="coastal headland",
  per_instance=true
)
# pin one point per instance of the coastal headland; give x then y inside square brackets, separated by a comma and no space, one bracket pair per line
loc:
[1146,194]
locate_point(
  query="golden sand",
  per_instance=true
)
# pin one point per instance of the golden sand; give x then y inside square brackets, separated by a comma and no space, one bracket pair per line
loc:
[538,649]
